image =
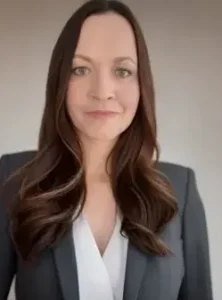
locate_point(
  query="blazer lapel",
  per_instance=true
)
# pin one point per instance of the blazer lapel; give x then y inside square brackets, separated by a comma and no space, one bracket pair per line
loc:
[137,264]
[135,269]
[65,260]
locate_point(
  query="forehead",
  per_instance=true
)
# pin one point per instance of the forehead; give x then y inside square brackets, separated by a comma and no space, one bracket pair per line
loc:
[107,35]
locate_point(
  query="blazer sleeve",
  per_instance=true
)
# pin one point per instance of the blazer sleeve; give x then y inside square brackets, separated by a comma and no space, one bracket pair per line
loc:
[197,279]
[7,253]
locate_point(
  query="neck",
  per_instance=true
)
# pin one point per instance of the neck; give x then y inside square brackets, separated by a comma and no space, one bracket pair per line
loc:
[95,154]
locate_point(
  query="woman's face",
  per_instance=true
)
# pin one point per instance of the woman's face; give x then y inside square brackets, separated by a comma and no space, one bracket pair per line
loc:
[103,91]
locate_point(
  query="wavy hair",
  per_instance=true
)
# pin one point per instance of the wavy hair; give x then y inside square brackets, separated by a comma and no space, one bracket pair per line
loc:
[53,188]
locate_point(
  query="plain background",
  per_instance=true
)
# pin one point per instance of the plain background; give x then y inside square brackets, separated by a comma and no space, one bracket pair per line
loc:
[184,39]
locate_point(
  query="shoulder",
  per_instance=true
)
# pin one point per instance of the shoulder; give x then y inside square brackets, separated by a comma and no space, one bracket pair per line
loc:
[177,174]
[10,162]
[179,177]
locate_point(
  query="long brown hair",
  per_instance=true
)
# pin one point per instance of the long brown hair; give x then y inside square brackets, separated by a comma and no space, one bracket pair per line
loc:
[53,182]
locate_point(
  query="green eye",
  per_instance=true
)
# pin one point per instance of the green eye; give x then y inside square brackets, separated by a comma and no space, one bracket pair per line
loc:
[80,71]
[121,72]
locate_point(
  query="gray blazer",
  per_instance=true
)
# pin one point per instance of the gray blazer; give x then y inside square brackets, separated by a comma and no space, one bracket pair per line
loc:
[182,276]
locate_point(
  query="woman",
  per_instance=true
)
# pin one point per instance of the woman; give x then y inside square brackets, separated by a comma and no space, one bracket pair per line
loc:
[93,214]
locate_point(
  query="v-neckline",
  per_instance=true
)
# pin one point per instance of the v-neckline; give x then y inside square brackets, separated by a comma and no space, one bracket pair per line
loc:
[88,256]
[116,228]
[110,267]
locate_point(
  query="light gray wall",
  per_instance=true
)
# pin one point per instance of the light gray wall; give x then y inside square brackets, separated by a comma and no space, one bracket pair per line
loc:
[185,43]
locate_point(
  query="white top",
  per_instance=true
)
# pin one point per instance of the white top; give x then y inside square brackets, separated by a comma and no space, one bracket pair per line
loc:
[100,277]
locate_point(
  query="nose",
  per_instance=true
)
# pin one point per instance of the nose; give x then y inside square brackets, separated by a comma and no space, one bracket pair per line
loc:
[102,87]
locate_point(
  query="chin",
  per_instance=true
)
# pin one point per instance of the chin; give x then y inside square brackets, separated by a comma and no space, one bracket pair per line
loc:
[102,135]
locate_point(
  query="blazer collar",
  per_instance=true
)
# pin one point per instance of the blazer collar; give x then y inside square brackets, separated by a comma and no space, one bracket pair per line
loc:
[135,270]
[65,260]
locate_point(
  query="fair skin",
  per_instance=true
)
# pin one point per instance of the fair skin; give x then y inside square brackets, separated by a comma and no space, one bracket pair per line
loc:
[104,77]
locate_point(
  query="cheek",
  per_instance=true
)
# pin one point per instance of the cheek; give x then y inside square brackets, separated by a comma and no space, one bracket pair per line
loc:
[129,98]
[74,98]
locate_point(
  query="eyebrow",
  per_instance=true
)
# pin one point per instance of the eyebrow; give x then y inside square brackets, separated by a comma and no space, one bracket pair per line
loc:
[116,59]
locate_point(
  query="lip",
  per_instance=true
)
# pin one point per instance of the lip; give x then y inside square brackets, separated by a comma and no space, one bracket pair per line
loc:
[101,113]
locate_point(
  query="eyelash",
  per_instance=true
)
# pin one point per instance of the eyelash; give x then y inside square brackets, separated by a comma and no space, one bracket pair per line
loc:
[79,68]
[129,73]
[124,70]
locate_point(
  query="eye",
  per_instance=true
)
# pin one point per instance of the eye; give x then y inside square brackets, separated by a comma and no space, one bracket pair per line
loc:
[122,72]
[80,71]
